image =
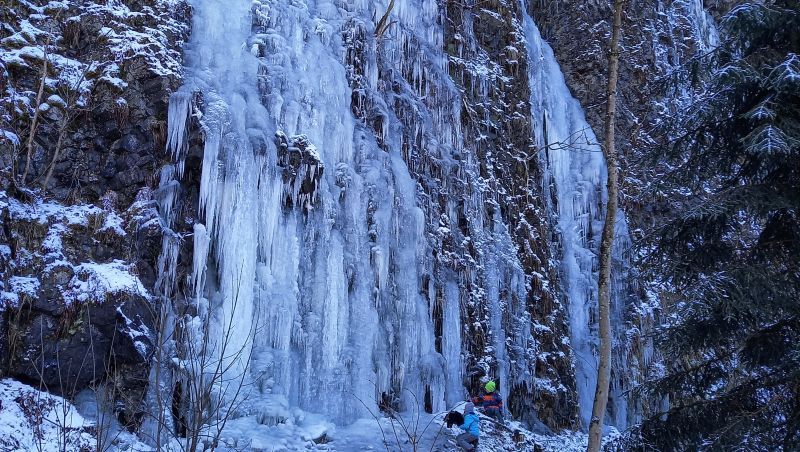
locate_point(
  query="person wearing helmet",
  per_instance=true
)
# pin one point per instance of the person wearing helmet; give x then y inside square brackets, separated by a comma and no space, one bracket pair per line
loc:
[472,429]
[490,401]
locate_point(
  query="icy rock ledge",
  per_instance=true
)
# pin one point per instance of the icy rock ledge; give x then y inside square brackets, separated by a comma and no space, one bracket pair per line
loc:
[302,170]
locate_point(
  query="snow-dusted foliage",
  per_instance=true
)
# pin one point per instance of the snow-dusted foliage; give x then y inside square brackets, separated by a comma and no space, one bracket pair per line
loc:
[47,240]
[723,254]
[59,59]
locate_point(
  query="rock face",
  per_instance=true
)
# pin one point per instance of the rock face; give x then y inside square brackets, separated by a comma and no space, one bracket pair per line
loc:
[77,271]
[76,309]
[486,49]
[102,111]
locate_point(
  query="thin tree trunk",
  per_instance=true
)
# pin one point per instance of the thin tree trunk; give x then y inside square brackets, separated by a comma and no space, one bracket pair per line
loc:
[35,119]
[62,132]
[606,244]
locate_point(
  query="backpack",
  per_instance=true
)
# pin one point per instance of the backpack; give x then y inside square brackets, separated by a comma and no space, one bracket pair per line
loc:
[454,418]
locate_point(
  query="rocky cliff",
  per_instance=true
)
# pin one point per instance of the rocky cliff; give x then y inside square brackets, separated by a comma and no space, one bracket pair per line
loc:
[83,111]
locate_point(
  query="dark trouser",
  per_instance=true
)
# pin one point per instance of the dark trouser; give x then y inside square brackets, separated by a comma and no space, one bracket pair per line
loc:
[467,441]
[494,413]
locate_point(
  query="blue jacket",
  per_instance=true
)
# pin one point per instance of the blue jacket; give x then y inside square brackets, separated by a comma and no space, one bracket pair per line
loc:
[472,424]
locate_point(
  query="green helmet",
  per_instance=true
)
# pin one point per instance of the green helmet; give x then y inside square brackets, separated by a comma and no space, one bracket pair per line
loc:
[490,386]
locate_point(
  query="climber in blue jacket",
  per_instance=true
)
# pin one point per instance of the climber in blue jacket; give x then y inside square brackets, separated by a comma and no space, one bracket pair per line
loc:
[472,429]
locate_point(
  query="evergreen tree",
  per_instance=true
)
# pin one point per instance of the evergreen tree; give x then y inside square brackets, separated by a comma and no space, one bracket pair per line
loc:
[728,253]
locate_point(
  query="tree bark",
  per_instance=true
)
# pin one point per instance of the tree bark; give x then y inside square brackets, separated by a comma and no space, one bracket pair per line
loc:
[607,241]
[62,133]
[35,120]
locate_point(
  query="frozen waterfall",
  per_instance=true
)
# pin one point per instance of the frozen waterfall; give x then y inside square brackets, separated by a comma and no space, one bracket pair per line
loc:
[318,286]
[306,266]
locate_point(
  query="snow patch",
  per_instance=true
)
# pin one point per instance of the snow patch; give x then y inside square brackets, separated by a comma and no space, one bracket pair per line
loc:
[94,282]
[25,285]
[35,420]
[113,223]
[45,212]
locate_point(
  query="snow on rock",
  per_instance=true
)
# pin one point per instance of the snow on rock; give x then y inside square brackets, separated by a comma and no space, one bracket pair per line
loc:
[23,285]
[51,236]
[10,137]
[81,273]
[147,34]
[95,282]
[115,59]
[34,420]
[45,212]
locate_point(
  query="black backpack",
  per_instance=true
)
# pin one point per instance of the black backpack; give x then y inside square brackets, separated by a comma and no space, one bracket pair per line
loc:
[454,418]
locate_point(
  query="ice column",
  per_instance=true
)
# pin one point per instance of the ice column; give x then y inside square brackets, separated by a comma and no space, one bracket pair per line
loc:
[313,298]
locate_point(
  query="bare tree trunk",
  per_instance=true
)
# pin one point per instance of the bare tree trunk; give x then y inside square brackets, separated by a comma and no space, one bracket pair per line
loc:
[607,241]
[62,132]
[35,119]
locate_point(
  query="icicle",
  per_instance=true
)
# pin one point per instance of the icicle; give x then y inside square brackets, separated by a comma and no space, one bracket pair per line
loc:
[166,194]
[451,343]
[200,255]
[180,105]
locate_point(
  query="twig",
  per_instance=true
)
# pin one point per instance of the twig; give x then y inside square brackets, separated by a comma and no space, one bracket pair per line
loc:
[377,421]
[383,23]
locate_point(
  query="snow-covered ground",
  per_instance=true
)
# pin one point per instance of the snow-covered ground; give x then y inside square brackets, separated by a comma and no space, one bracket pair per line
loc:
[426,433]
[33,420]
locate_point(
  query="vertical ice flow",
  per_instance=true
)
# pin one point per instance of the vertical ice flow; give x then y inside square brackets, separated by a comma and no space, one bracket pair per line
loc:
[316,298]
[574,161]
